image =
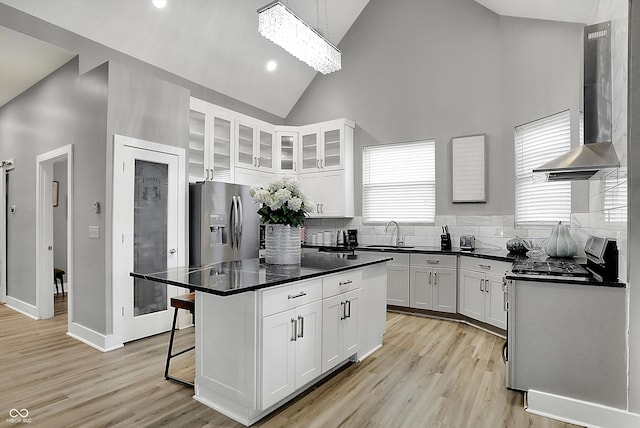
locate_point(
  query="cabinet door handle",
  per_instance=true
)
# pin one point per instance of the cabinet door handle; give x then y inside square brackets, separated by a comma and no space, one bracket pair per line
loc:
[348,303]
[435,278]
[485,266]
[481,284]
[486,286]
[295,296]
[294,329]
[433,261]
[343,309]
[347,282]
[318,163]
[258,160]
[301,319]
[429,282]
[321,163]
[294,166]
[322,208]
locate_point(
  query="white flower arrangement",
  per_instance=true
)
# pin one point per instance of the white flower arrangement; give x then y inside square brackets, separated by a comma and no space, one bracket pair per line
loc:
[282,202]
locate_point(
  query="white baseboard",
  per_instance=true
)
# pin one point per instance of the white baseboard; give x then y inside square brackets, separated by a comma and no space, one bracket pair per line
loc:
[24,308]
[99,341]
[579,412]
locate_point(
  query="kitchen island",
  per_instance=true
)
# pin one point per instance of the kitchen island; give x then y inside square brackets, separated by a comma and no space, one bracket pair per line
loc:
[266,333]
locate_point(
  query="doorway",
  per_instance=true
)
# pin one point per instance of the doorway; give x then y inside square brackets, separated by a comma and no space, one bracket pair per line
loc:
[49,196]
[148,233]
[60,215]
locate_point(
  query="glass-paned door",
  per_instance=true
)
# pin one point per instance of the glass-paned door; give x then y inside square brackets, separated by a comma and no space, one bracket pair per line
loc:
[222,149]
[146,226]
[150,234]
[287,143]
[245,146]
[266,150]
[197,145]
[332,148]
[309,152]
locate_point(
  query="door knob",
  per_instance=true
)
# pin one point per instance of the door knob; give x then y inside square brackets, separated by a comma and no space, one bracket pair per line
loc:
[172,251]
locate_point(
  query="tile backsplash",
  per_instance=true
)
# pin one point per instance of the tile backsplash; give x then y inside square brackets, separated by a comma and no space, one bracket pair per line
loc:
[491,231]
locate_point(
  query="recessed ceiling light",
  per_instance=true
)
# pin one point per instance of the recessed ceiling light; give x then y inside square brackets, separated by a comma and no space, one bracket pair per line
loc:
[160,4]
[271,65]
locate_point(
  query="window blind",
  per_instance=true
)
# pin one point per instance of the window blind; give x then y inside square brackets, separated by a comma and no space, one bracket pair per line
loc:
[399,182]
[615,198]
[538,202]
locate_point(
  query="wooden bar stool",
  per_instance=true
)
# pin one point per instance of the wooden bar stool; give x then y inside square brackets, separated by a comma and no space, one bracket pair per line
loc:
[185,301]
[58,274]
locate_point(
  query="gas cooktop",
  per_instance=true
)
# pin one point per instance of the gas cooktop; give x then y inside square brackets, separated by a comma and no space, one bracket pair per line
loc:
[552,267]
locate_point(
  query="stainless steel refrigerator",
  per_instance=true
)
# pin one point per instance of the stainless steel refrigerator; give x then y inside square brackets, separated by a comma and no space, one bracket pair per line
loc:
[223,223]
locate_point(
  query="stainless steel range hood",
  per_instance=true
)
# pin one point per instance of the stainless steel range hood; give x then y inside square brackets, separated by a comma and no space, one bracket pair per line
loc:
[597,153]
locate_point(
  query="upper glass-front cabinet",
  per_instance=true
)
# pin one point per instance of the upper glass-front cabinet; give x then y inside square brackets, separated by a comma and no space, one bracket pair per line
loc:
[287,152]
[210,143]
[322,146]
[255,146]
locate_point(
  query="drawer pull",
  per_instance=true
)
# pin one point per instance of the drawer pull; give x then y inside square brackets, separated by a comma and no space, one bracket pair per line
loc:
[345,282]
[295,296]
[485,266]
[433,261]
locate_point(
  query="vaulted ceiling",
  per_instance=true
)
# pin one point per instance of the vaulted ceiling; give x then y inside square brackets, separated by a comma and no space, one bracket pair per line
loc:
[214,43]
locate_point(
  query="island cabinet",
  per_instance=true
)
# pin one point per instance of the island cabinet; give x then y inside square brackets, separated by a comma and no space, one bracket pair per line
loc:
[432,282]
[291,338]
[341,295]
[481,296]
[258,349]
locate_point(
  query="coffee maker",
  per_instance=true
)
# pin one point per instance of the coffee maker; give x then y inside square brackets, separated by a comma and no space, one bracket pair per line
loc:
[352,238]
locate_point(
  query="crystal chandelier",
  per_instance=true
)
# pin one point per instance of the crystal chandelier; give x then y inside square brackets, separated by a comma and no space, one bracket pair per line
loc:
[284,28]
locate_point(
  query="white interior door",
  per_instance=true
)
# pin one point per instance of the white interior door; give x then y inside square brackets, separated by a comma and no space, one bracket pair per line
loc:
[3,237]
[146,215]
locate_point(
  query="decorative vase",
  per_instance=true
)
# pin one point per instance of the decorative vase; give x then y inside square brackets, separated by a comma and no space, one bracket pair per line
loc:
[282,243]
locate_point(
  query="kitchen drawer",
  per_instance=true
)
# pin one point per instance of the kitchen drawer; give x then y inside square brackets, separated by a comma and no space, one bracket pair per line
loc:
[484,265]
[341,283]
[433,260]
[291,296]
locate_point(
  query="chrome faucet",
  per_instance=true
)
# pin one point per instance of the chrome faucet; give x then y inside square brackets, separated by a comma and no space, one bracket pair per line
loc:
[399,240]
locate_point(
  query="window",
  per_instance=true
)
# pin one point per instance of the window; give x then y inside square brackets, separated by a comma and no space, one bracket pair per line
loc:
[537,202]
[399,182]
[615,198]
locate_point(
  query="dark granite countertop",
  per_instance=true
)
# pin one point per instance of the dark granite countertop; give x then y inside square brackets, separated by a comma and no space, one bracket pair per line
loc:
[566,280]
[485,253]
[241,276]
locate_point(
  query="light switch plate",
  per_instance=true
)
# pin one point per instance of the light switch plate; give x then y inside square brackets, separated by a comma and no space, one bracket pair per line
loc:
[94,232]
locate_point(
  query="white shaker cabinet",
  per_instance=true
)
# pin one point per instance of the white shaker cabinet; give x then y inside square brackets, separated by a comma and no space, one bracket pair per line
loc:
[480,290]
[341,297]
[432,282]
[291,355]
[398,280]
[331,193]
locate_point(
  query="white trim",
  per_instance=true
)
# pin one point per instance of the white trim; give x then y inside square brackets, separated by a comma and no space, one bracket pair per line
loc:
[120,142]
[99,341]
[44,231]
[24,308]
[3,236]
[579,412]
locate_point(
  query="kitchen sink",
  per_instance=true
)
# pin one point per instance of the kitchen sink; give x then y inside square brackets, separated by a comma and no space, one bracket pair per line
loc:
[395,247]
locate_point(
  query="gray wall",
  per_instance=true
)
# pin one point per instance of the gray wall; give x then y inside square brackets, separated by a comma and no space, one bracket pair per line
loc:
[147,108]
[60,217]
[634,208]
[93,54]
[442,69]
[59,110]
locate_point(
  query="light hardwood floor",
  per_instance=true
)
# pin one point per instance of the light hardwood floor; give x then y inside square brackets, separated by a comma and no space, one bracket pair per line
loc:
[429,373]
